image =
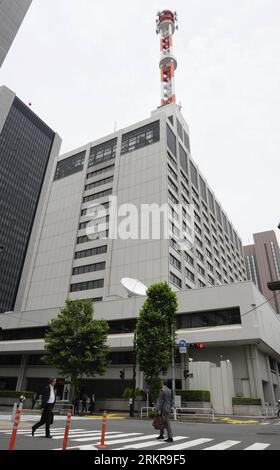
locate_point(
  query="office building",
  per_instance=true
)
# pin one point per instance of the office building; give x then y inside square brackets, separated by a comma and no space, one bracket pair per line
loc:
[12,13]
[27,150]
[263,264]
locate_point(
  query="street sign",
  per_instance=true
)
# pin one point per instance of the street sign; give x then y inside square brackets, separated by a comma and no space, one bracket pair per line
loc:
[182,346]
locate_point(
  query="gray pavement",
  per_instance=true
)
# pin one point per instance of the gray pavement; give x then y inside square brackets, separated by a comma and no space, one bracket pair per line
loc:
[135,434]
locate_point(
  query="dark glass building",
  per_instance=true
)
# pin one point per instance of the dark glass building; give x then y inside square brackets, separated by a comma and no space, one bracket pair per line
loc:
[26,144]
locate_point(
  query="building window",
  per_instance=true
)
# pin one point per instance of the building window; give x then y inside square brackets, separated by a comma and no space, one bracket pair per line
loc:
[211,201]
[69,166]
[91,210]
[99,250]
[175,262]
[101,220]
[175,280]
[102,152]
[172,172]
[179,129]
[97,284]
[107,169]
[187,141]
[93,236]
[92,197]
[141,137]
[171,141]
[225,223]
[99,183]
[189,274]
[189,259]
[200,270]
[230,316]
[89,268]
[172,185]
[203,189]
[194,175]
[183,159]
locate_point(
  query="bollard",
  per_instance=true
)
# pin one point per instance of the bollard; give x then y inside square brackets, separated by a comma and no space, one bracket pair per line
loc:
[67,427]
[14,412]
[15,428]
[102,445]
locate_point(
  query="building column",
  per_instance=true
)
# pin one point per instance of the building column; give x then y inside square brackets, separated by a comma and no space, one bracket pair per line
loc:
[251,375]
[270,381]
[256,379]
[22,370]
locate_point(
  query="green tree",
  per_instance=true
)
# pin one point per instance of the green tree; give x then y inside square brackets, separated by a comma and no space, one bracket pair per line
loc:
[76,343]
[155,334]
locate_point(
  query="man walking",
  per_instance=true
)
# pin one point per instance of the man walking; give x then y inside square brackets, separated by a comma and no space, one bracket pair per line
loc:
[164,405]
[48,401]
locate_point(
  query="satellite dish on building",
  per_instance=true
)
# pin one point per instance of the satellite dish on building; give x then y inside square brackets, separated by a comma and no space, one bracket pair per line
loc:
[134,287]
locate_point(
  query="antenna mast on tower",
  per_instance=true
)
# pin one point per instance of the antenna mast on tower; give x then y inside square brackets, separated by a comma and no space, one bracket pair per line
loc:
[166,25]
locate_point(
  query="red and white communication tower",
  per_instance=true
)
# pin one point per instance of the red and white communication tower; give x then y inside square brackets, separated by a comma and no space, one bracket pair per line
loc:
[166,25]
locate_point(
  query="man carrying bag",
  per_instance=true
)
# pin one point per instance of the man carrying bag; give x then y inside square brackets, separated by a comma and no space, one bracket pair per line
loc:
[48,401]
[164,405]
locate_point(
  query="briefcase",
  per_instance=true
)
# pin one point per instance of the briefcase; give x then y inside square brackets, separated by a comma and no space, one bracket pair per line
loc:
[158,422]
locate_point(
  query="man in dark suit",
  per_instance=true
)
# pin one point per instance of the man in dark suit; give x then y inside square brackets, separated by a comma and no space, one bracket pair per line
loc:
[48,401]
[164,405]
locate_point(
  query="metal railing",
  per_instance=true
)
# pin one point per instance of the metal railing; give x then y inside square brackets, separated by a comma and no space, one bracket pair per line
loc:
[210,411]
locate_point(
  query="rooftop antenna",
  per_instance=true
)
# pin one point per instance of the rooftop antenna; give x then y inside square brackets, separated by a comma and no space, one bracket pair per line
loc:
[166,26]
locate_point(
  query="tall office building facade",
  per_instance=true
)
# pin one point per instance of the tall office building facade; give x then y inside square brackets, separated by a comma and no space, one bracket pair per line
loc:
[27,150]
[147,163]
[12,13]
[263,264]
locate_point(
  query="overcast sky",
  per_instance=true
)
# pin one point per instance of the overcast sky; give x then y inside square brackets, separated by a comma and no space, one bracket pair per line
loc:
[86,64]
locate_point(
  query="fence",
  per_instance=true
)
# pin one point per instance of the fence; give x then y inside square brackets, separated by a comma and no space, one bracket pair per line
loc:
[207,412]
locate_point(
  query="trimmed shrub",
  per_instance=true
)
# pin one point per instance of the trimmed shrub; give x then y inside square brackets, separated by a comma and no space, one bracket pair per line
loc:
[13,394]
[194,395]
[246,401]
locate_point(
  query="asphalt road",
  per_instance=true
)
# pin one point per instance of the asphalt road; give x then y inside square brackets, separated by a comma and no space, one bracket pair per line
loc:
[135,434]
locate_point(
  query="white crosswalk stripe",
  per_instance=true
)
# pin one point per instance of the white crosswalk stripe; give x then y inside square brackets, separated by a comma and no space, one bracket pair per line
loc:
[85,439]
[187,445]
[258,446]
[223,445]
[149,444]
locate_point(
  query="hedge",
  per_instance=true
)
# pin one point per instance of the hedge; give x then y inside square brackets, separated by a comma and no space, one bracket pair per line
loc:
[13,394]
[194,395]
[246,401]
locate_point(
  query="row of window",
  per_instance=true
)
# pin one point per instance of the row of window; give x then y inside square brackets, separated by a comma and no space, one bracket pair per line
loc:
[70,165]
[140,137]
[93,236]
[95,196]
[99,250]
[80,286]
[99,183]
[89,268]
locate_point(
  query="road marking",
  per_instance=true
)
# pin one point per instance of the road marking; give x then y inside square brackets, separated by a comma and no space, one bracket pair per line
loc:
[258,446]
[186,445]
[85,439]
[150,444]
[90,435]
[223,445]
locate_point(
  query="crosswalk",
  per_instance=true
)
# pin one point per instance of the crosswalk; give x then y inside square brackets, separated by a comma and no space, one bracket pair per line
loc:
[85,439]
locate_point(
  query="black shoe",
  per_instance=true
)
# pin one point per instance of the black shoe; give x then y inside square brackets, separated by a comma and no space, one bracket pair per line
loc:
[33,432]
[49,437]
[168,440]
[161,436]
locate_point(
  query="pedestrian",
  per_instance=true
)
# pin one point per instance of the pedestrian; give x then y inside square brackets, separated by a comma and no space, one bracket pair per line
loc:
[278,412]
[48,401]
[84,403]
[34,399]
[76,405]
[164,405]
[130,404]
[92,404]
